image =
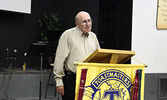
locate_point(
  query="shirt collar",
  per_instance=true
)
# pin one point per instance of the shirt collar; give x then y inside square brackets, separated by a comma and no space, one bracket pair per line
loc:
[86,35]
[82,34]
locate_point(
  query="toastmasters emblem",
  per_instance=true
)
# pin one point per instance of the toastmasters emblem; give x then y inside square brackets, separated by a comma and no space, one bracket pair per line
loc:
[109,85]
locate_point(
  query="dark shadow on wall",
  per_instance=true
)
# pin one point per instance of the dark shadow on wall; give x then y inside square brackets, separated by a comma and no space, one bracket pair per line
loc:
[18,31]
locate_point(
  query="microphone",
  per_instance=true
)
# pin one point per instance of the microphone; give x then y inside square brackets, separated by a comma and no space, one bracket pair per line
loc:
[7,53]
[15,51]
[25,54]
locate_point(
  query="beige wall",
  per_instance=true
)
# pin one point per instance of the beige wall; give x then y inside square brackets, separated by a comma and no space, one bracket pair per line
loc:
[149,43]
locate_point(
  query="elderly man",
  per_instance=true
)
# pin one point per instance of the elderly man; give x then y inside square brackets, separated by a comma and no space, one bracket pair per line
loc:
[74,44]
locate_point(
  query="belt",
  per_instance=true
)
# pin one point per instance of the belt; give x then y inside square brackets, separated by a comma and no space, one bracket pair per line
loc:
[69,73]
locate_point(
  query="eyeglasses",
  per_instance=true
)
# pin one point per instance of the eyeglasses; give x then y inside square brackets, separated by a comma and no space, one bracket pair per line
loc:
[86,22]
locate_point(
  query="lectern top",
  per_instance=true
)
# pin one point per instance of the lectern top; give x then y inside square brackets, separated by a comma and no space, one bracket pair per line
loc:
[110,56]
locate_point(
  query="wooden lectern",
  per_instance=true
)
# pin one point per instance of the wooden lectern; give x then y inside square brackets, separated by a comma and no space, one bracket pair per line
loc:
[103,75]
[110,56]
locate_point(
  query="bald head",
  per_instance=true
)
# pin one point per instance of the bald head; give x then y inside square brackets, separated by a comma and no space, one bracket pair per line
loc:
[83,21]
[80,15]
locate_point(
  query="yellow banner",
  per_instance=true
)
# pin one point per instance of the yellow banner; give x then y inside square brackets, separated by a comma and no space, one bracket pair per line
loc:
[107,81]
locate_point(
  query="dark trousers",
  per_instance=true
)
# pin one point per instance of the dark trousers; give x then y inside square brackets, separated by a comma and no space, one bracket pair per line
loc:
[69,86]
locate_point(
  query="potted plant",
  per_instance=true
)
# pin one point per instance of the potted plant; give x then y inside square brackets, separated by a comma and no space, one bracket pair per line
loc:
[50,26]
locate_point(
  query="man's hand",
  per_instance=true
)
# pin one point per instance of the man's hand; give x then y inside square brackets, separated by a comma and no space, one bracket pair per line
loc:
[60,90]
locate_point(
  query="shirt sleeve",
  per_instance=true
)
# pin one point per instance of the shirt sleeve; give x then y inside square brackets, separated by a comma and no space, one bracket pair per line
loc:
[61,55]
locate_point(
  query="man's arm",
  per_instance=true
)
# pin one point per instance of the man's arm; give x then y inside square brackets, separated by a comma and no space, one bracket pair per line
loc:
[61,54]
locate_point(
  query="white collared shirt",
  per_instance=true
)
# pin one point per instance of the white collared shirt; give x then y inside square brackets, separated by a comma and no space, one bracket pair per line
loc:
[73,46]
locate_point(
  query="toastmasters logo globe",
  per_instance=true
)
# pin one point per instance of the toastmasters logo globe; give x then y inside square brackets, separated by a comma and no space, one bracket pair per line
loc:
[109,85]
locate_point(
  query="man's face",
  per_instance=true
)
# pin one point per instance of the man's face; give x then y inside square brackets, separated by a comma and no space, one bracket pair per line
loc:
[84,23]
